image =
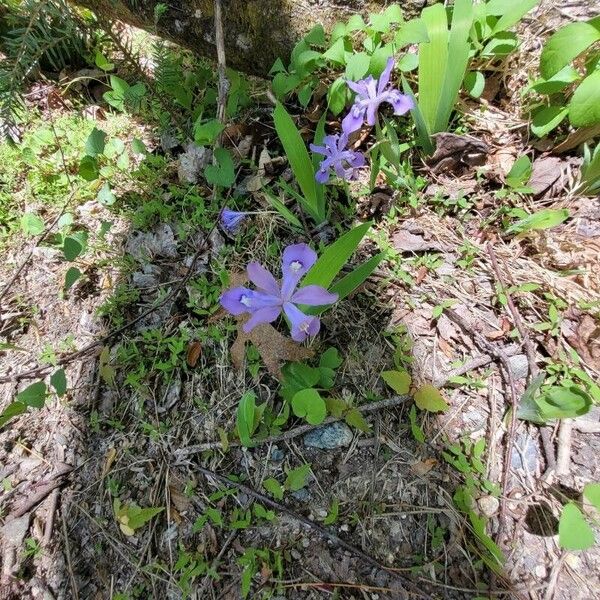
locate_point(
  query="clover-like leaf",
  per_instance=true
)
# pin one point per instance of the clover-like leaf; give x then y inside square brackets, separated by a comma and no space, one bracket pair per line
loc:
[309,404]
[574,533]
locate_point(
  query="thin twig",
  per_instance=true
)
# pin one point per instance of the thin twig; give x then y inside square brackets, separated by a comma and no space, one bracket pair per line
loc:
[563,456]
[292,433]
[68,358]
[503,359]
[51,514]
[68,555]
[529,351]
[221,64]
[281,508]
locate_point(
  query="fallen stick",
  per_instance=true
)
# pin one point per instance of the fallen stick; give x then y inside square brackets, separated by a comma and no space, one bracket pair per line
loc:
[292,433]
[529,351]
[281,508]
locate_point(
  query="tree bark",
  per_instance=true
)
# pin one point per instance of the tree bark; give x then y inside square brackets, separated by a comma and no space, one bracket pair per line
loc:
[257,32]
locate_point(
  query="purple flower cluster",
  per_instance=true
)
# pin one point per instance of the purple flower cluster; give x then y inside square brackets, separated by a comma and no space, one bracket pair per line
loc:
[370,94]
[266,303]
[231,219]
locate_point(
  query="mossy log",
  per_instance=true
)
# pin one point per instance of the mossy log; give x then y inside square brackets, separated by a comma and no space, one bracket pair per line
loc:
[256,31]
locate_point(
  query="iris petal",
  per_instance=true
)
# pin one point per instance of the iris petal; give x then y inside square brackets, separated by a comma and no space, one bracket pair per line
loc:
[268,314]
[314,295]
[302,325]
[384,78]
[262,278]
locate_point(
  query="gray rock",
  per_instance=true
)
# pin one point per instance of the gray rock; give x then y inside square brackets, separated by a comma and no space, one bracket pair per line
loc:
[329,437]
[14,531]
[525,454]
[302,495]
[277,455]
[519,366]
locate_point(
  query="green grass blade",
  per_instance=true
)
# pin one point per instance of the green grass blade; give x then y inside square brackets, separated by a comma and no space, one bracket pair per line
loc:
[299,160]
[347,284]
[423,138]
[316,160]
[335,256]
[433,59]
[458,53]
[282,209]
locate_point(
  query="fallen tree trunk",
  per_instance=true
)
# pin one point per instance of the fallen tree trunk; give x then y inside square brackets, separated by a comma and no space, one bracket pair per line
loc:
[256,31]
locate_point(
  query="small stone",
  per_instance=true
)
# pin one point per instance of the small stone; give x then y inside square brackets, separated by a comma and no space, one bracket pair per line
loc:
[488,505]
[277,455]
[525,454]
[541,572]
[519,366]
[302,495]
[14,531]
[329,437]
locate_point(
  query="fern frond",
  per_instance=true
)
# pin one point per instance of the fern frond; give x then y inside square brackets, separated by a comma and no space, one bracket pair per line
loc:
[51,33]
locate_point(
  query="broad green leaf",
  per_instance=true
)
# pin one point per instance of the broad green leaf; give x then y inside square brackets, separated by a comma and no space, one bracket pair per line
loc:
[355,419]
[333,513]
[355,23]
[297,478]
[58,380]
[357,65]
[32,224]
[283,84]
[399,381]
[381,21]
[300,162]
[574,533]
[331,359]
[475,83]
[334,257]
[584,108]
[12,410]
[245,418]
[379,59]
[562,402]
[415,428]
[205,134]
[105,195]
[429,398]
[71,276]
[520,172]
[591,492]
[88,168]
[137,517]
[567,44]
[138,146]
[547,118]
[316,36]
[501,44]
[94,145]
[336,96]
[309,405]
[33,395]
[510,12]
[543,219]
[305,94]
[223,173]
[423,133]
[337,52]
[528,409]
[411,32]
[273,487]
[409,62]
[557,82]
[72,248]
[102,62]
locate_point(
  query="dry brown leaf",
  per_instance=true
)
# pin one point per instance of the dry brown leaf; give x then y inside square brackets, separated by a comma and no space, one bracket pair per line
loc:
[108,462]
[423,467]
[546,175]
[455,152]
[446,348]
[179,500]
[193,353]
[273,347]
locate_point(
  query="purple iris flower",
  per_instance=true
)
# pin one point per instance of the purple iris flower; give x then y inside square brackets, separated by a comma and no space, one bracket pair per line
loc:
[337,157]
[231,219]
[271,297]
[370,93]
